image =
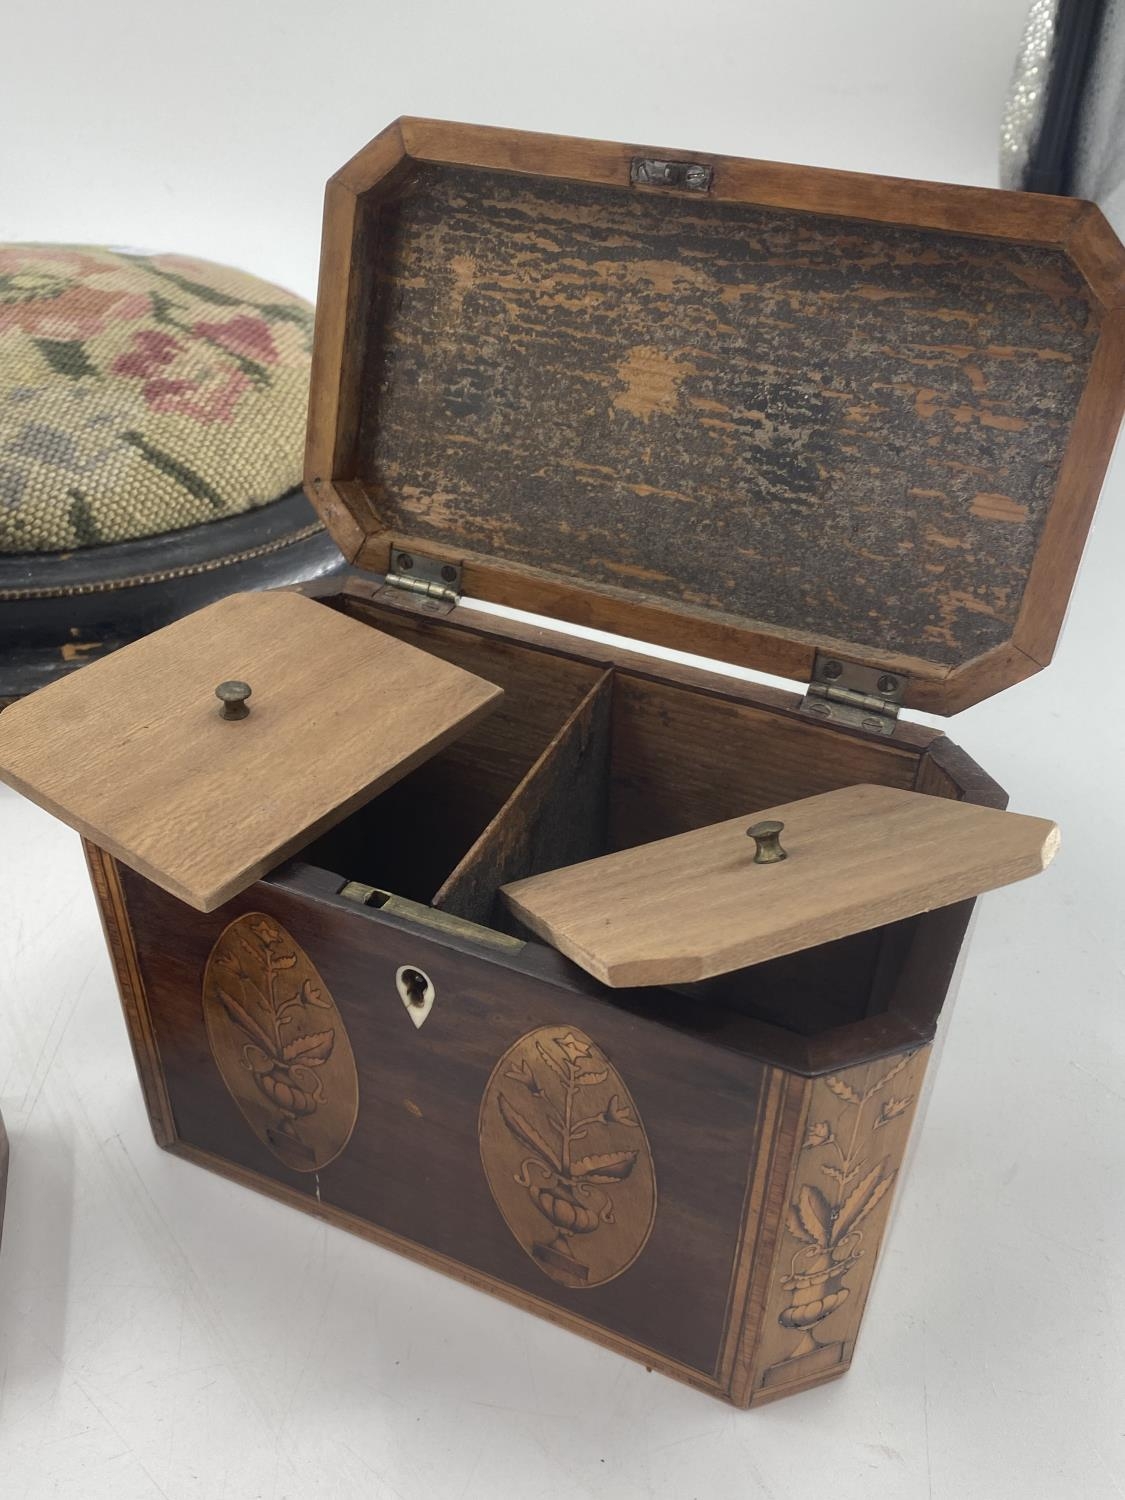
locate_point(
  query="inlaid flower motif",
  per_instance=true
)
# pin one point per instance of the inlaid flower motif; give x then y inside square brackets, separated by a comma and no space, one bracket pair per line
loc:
[279,1042]
[562,1157]
[313,995]
[573,1048]
[828,1224]
[891,1111]
[616,1113]
[520,1072]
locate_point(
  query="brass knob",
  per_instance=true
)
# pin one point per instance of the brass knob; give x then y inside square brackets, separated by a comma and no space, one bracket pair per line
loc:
[767,842]
[232,698]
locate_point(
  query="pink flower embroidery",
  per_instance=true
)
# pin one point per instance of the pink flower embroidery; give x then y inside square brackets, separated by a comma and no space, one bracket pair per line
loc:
[77,313]
[150,352]
[243,335]
[213,401]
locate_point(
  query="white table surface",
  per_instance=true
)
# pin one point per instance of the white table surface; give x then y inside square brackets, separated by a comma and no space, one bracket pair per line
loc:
[165,1333]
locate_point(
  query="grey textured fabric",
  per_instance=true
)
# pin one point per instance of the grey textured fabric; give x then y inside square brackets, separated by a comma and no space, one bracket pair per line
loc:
[1098,162]
[1027,94]
[1093,163]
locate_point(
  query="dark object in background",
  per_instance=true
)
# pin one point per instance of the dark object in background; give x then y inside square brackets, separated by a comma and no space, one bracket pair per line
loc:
[1064,123]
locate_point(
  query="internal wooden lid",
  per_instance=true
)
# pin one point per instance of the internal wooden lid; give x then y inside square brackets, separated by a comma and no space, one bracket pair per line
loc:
[696,905]
[132,751]
[797,410]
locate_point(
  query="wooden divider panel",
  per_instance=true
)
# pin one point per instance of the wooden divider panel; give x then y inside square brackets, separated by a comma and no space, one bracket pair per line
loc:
[556,816]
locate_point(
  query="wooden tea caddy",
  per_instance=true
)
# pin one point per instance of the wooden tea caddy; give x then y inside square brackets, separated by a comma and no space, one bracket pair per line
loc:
[840,428]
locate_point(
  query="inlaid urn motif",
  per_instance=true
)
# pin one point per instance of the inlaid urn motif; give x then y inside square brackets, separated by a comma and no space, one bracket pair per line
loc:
[279,1042]
[567,1158]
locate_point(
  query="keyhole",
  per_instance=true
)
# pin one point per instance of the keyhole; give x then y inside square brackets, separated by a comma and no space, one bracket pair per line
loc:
[415,983]
[416,990]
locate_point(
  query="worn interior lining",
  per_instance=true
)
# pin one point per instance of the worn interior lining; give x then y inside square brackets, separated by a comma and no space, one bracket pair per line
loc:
[847,429]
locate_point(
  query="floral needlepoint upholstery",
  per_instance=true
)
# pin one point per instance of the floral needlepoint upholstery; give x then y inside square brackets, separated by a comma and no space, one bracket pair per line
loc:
[141,394]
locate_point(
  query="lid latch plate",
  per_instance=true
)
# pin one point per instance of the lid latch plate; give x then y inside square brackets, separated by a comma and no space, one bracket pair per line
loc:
[685,176]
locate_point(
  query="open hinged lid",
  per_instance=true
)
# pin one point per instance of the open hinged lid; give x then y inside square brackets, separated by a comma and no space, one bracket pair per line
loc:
[133,750]
[710,901]
[748,410]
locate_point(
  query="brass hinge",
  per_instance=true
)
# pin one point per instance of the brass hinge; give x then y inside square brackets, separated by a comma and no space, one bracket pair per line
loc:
[844,692]
[435,585]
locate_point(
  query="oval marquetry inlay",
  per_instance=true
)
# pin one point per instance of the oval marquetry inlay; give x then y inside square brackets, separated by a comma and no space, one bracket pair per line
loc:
[566,1157]
[280,1043]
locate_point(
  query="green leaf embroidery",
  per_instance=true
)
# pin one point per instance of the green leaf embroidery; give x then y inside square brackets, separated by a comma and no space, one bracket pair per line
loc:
[66,357]
[174,468]
[193,288]
[81,517]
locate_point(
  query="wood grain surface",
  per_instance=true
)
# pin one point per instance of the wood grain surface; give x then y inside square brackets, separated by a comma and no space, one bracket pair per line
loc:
[684,758]
[822,190]
[806,409]
[832,399]
[411,1173]
[727,1140]
[697,905]
[853,431]
[132,751]
[555,816]
[689,1063]
[411,838]
[833,1183]
[361,597]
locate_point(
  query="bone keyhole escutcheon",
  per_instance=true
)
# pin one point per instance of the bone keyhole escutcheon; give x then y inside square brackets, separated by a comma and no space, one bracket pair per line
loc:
[416,991]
